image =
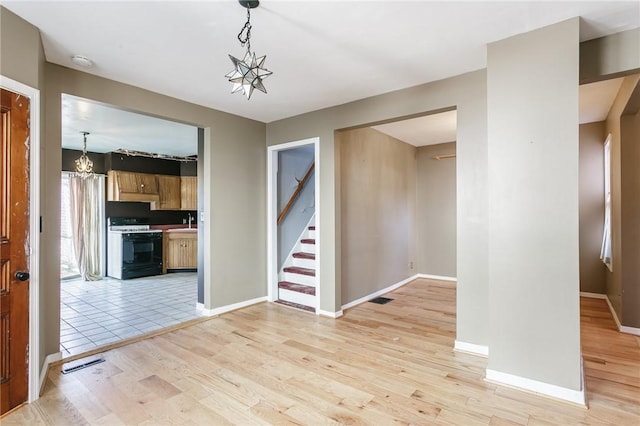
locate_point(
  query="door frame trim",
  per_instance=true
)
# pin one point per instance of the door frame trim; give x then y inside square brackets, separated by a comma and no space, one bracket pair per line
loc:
[272,215]
[34,229]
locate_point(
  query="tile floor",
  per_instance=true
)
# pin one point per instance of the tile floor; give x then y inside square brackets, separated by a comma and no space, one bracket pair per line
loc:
[97,313]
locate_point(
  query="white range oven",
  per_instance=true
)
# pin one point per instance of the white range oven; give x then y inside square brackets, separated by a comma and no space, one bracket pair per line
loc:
[133,249]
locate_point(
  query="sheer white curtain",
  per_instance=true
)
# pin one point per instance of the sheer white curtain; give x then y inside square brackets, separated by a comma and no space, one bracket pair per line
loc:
[605,251]
[87,223]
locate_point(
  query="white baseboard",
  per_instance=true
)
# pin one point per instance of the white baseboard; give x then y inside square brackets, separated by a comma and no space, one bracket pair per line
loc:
[330,314]
[593,295]
[378,293]
[471,348]
[437,277]
[229,308]
[629,330]
[613,312]
[48,360]
[546,389]
[621,328]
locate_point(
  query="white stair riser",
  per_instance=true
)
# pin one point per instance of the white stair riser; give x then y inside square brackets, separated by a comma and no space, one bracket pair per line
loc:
[304,263]
[308,248]
[299,279]
[296,297]
[311,234]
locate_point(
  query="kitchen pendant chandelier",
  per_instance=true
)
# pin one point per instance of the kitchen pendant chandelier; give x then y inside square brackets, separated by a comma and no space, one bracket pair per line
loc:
[84,166]
[249,72]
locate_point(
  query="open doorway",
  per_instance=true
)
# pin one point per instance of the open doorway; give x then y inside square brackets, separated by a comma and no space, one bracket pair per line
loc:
[398,204]
[293,244]
[129,265]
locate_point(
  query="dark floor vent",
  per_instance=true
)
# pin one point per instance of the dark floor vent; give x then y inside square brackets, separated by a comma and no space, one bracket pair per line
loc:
[79,364]
[380,300]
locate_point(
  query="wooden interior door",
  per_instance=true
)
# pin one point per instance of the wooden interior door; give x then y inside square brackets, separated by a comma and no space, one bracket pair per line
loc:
[14,240]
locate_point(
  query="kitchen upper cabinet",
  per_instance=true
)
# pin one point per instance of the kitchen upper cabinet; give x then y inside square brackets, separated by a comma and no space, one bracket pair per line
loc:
[180,249]
[164,192]
[131,186]
[189,193]
[169,188]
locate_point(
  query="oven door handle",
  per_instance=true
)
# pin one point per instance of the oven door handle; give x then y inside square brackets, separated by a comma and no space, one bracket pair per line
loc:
[142,236]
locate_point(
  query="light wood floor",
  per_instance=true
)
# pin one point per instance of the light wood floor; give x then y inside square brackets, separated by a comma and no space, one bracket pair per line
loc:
[377,365]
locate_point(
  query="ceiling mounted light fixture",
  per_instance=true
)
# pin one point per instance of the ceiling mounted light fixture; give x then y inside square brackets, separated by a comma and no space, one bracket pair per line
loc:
[84,166]
[249,72]
[82,61]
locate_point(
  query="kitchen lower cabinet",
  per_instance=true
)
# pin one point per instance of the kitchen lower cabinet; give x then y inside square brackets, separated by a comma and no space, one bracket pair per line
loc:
[180,250]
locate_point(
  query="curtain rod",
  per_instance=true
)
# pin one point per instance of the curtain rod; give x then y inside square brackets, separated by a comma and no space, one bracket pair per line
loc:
[440,157]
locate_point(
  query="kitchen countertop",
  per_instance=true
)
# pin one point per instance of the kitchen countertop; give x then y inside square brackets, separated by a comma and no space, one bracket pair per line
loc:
[183,230]
[179,227]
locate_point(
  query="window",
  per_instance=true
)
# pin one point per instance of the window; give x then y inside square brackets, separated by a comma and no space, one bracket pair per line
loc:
[605,251]
[68,264]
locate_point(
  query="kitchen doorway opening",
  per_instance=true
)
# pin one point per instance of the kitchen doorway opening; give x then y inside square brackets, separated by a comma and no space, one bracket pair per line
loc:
[146,175]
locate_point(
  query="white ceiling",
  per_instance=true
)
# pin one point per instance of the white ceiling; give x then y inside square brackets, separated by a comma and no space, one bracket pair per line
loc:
[113,128]
[427,130]
[596,99]
[322,53]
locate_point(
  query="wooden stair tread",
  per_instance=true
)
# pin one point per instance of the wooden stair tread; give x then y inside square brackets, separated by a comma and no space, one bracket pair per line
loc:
[296,305]
[312,228]
[299,288]
[301,271]
[302,255]
[308,241]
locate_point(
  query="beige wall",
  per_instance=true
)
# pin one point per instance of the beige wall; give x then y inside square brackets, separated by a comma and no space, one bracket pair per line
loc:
[234,188]
[630,168]
[467,93]
[614,278]
[22,59]
[610,56]
[436,211]
[21,53]
[378,203]
[592,270]
[534,276]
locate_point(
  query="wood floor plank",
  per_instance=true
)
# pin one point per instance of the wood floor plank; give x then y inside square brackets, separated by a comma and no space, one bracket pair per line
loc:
[378,364]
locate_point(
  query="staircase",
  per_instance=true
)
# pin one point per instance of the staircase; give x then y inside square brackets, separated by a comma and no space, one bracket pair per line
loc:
[297,285]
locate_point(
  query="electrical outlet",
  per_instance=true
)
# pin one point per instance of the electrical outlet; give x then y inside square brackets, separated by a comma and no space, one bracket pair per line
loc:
[410,265]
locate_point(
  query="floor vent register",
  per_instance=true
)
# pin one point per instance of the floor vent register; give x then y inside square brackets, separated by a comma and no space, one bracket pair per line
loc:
[79,364]
[381,300]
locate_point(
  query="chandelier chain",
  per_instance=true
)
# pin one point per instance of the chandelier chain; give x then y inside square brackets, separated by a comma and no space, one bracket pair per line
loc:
[246,39]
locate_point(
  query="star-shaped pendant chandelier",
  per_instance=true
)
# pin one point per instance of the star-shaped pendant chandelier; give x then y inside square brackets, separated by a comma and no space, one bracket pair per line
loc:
[249,72]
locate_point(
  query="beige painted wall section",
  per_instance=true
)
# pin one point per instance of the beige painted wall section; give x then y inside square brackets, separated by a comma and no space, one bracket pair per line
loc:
[614,278]
[533,205]
[467,93]
[22,59]
[592,270]
[21,54]
[436,211]
[630,144]
[610,56]
[378,202]
[235,182]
